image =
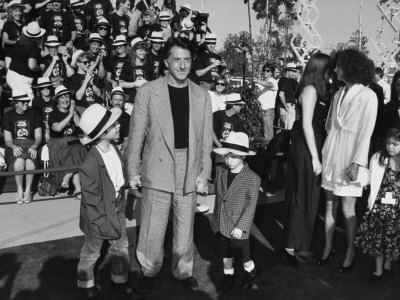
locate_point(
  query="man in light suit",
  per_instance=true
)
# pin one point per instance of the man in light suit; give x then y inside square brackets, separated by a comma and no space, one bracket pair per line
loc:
[172,123]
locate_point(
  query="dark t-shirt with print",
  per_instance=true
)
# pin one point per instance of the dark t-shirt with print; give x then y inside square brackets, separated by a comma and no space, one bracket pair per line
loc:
[97,9]
[14,32]
[20,57]
[43,107]
[119,24]
[58,23]
[223,124]
[74,83]
[81,26]
[115,64]
[204,60]
[22,126]
[57,116]
[57,74]
[131,74]
[155,65]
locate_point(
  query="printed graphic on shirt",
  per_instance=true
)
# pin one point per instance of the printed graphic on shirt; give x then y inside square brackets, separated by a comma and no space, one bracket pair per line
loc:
[69,129]
[22,129]
[156,68]
[90,98]
[214,71]
[139,74]
[79,26]
[118,70]
[226,129]
[98,10]
[123,28]
[57,27]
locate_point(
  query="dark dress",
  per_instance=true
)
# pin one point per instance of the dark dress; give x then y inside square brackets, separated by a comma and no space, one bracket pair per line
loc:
[302,185]
[379,231]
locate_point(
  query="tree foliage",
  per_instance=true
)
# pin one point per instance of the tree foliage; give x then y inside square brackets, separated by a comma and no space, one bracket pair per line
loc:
[274,11]
[353,42]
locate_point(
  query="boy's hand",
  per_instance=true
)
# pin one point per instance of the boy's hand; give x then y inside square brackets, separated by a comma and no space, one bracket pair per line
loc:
[236,233]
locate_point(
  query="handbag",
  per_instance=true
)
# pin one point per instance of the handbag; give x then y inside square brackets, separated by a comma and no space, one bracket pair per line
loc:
[47,186]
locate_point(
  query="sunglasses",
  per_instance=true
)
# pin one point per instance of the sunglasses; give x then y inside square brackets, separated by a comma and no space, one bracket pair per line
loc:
[86,62]
[45,88]
[221,83]
[103,28]
[267,70]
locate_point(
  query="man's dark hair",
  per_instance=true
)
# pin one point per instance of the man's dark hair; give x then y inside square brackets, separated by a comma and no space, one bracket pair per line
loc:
[379,72]
[177,42]
[269,66]
[119,2]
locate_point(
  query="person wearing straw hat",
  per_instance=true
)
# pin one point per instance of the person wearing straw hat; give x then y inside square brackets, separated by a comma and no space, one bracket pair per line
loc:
[225,121]
[115,63]
[135,74]
[102,217]
[119,20]
[209,65]
[84,83]
[12,28]
[95,42]
[80,21]
[64,147]
[236,187]
[104,29]
[287,86]
[22,128]
[60,23]
[164,20]
[25,59]
[43,103]
[171,125]
[56,66]
[154,59]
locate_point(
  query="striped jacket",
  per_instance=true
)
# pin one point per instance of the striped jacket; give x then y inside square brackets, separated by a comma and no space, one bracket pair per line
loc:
[101,214]
[234,206]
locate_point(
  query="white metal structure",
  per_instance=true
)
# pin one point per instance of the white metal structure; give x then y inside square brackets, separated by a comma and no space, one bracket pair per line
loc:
[306,38]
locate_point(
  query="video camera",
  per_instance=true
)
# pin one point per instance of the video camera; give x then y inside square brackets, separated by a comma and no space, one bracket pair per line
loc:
[200,21]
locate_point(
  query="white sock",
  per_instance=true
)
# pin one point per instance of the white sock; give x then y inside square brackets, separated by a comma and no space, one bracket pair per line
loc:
[229,271]
[290,251]
[251,267]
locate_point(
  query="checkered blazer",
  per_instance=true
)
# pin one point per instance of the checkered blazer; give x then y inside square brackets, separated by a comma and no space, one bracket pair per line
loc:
[101,214]
[234,206]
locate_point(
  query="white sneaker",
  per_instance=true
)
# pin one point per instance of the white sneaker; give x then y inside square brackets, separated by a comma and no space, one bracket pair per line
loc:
[201,208]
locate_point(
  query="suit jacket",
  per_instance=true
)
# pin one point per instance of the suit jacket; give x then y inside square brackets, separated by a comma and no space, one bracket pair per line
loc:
[234,206]
[101,214]
[151,128]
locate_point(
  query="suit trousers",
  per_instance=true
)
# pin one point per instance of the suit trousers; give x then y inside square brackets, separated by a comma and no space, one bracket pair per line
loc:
[90,253]
[155,209]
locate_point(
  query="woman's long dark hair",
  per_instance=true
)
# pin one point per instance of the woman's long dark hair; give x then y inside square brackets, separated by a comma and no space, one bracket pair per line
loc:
[393,133]
[394,97]
[316,73]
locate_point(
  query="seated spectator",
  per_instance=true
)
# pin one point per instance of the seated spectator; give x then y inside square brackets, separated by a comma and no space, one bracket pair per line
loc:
[55,64]
[134,75]
[154,58]
[12,28]
[119,20]
[116,62]
[25,59]
[147,28]
[164,20]
[83,84]
[81,23]
[44,104]
[218,94]
[60,23]
[65,148]
[22,135]
[118,101]
[95,42]
[103,28]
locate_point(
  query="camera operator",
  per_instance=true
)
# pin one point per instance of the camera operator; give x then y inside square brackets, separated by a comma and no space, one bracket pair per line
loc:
[209,65]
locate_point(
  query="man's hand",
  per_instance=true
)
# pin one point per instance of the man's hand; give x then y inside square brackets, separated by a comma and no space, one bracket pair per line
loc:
[236,233]
[17,151]
[201,185]
[135,182]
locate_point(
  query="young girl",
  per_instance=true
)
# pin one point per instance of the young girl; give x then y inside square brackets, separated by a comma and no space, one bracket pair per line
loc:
[379,232]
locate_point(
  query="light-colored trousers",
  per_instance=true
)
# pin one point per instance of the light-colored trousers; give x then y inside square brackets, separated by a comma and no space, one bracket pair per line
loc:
[155,209]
